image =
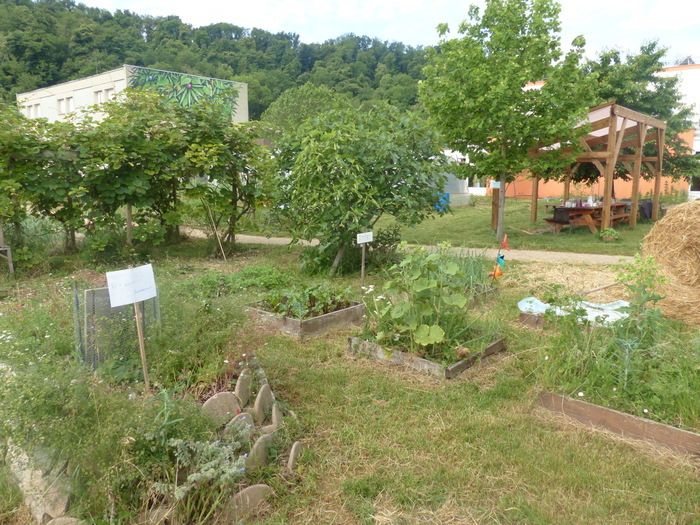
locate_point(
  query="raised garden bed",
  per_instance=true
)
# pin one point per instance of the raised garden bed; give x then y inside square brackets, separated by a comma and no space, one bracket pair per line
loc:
[302,328]
[621,423]
[372,350]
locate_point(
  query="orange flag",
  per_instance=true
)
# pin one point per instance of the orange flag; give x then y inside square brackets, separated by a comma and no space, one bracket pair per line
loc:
[504,243]
[497,272]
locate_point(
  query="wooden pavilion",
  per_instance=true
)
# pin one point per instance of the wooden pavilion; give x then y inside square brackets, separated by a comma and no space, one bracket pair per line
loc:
[612,129]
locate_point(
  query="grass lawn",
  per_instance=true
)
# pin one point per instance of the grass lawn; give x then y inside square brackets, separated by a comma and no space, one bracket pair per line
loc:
[470,226]
[384,445]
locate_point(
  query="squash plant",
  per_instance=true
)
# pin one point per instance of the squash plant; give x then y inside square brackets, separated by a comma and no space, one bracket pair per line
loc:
[423,304]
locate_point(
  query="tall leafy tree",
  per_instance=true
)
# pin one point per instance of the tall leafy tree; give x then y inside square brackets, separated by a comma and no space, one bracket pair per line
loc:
[634,81]
[233,163]
[477,89]
[135,156]
[346,168]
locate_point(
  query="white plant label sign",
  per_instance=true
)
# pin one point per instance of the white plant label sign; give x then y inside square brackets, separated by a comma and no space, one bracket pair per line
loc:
[131,286]
[495,184]
[364,238]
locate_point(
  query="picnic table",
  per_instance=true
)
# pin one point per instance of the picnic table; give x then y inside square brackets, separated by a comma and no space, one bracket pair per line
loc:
[590,216]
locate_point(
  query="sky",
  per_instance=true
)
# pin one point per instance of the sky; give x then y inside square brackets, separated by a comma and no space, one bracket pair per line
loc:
[606,24]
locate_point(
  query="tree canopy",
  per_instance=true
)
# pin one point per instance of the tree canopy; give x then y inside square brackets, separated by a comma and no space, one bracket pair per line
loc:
[49,41]
[478,89]
[348,167]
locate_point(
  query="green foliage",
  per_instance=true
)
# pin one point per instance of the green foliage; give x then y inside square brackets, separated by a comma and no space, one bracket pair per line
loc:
[297,105]
[634,82]
[217,284]
[423,304]
[609,234]
[307,302]
[476,90]
[644,364]
[384,250]
[346,168]
[49,42]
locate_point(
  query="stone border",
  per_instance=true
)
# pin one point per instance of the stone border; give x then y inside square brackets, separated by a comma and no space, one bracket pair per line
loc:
[302,328]
[357,346]
[621,423]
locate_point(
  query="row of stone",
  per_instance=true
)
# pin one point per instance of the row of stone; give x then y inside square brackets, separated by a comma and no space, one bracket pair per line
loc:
[230,410]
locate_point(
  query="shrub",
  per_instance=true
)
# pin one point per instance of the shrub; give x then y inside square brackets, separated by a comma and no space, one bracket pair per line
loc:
[423,304]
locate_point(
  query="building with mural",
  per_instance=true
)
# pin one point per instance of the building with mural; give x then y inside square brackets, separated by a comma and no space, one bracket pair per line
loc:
[60,100]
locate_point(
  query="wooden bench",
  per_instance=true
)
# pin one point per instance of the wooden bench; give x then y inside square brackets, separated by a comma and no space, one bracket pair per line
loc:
[557,225]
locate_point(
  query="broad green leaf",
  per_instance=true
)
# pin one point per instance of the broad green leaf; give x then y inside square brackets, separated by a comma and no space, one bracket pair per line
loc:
[428,335]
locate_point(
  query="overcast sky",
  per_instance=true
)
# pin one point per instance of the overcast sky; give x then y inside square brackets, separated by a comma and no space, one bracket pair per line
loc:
[622,24]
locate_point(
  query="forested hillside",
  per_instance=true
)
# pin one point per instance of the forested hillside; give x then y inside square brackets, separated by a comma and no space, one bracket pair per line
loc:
[51,41]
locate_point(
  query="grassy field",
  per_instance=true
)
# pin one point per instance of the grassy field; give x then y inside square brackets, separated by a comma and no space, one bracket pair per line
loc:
[385,445]
[470,226]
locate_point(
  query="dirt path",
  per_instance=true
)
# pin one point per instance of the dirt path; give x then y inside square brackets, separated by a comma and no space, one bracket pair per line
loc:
[511,255]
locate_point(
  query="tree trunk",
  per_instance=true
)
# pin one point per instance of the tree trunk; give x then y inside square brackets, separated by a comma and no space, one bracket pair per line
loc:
[500,229]
[129,226]
[338,259]
[70,244]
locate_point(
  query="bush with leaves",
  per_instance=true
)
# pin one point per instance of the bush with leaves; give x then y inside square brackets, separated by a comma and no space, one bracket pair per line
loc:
[307,302]
[423,305]
[345,169]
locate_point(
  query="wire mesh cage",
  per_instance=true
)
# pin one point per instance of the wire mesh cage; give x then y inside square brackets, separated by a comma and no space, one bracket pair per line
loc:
[104,333]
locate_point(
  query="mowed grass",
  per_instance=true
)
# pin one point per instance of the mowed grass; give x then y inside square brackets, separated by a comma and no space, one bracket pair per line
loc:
[470,226]
[384,445]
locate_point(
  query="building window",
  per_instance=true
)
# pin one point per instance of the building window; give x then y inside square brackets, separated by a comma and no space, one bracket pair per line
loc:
[109,94]
[99,97]
[28,111]
[37,110]
[69,104]
[61,106]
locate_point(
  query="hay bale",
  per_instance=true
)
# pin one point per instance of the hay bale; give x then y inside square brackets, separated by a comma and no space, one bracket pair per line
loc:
[674,242]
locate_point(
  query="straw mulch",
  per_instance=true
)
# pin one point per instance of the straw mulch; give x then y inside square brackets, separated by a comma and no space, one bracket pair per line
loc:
[674,242]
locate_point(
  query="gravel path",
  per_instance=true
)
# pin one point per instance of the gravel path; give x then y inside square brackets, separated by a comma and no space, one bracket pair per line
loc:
[511,255]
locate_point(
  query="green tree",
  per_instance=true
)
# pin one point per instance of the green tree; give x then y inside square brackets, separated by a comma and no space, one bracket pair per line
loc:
[634,81]
[226,153]
[346,168]
[135,157]
[19,148]
[476,89]
[56,188]
[295,106]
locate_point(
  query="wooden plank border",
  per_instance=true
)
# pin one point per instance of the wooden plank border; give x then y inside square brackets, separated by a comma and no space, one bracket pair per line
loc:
[302,328]
[621,423]
[372,350]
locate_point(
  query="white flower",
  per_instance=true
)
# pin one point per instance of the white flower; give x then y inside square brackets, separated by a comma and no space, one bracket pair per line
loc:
[646,411]
[380,298]
[546,358]
[225,361]
[580,394]
[614,389]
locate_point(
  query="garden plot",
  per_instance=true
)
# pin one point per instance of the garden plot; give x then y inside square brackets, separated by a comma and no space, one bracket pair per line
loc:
[307,311]
[425,317]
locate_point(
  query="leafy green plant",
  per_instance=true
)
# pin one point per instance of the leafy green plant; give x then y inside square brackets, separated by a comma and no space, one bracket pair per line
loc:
[218,284]
[384,250]
[423,304]
[609,235]
[307,302]
[644,364]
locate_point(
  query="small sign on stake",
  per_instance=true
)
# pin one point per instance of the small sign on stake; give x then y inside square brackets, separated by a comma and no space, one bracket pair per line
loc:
[363,239]
[133,286]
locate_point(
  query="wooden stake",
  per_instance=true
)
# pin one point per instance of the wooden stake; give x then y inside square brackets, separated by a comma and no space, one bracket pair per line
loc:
[142,345]
[533,198]
[494,207]
[213,227]
[362,271]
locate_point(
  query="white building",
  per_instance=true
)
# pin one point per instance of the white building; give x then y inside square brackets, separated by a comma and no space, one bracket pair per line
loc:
[57,101]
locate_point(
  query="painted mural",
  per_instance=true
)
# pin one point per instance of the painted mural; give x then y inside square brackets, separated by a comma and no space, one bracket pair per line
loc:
[185,89]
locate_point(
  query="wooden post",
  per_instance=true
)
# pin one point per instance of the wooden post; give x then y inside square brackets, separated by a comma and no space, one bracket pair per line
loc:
[2,234]
[609,173]
[362,271]
[142,344]
[567,185]
[534,197]
[636,173]
[494,207]
[660,139]
[129,226]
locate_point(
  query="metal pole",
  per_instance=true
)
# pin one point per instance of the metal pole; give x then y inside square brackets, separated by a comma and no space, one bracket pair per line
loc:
[362,271]
[142,346]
